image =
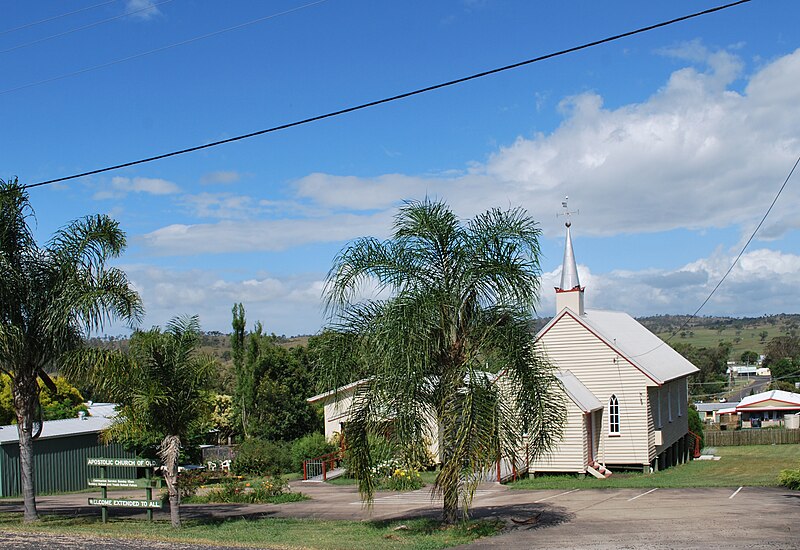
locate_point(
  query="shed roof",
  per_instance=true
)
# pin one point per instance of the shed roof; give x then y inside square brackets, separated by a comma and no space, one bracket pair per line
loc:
[579,393]
[60,428]
[708,407]
[633,341]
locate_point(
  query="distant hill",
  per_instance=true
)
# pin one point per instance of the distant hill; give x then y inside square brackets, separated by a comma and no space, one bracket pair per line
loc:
[744,333]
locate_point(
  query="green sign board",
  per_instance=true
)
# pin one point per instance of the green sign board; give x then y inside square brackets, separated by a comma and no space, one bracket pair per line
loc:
[124,462]
[125,503]
[129,483]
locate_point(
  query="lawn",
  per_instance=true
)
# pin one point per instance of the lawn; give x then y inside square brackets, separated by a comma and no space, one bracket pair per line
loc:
[420,534]
[755,465]
[427,478]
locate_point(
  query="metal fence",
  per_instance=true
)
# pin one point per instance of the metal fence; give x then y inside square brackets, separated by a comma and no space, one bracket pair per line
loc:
[751,437]
[218,453]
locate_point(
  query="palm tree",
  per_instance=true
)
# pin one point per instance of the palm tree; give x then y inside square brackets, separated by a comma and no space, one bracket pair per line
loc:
[460,299]
[163,385]
[50,299]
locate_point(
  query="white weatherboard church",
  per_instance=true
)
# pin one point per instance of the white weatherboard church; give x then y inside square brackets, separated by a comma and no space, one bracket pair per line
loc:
[625,391]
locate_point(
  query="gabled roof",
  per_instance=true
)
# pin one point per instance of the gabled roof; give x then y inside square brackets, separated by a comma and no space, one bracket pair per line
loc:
[323,396]
[580,394]
[787,399]
[60,428]
[637,345]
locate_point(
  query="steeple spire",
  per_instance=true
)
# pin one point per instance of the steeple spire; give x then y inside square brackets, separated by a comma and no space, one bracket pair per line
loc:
[569,270]
[569,293]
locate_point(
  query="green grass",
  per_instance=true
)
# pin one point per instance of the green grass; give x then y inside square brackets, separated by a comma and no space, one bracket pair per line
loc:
[427,478]
[755,465]
[275,499]
[420,534]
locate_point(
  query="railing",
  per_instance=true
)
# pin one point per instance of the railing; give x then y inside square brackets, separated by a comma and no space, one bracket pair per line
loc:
[696,445]
[320,466]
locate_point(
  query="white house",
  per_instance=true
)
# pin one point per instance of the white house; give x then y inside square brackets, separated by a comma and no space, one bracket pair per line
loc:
[625,390]
[768,408]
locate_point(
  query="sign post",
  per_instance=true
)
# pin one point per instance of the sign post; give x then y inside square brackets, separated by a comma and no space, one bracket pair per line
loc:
[104,483]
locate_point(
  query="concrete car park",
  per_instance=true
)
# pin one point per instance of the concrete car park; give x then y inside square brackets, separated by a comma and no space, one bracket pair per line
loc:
[730,518]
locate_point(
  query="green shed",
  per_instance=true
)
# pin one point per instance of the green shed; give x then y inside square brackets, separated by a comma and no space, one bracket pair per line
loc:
[60,455]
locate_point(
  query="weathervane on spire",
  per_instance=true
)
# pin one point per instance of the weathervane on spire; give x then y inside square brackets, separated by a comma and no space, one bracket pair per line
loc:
[567,212]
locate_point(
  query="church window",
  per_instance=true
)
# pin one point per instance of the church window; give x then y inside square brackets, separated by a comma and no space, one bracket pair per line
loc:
[669,403]
[613,415]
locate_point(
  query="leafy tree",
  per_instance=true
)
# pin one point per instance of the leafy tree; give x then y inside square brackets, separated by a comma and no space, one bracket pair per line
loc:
[460,303]
[51,298]
[283,380]
[162,384]
[749,357]
[711,362]
[782,347]
[223,419]
[244,396]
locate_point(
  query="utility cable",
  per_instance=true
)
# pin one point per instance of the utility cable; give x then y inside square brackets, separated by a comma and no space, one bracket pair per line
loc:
[84,27]
[735,261]
[53,18]
[392,98]
[160,49]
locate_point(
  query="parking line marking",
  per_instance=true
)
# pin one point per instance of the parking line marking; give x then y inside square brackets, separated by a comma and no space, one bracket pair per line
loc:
[643,494]
[555,496]
[736,492]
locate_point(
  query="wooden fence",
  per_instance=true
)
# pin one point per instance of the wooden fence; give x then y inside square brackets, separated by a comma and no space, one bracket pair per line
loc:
[751,437]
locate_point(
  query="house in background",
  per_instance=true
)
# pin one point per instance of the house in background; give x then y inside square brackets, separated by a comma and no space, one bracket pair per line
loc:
[710,412]
[768,408]
[639,381]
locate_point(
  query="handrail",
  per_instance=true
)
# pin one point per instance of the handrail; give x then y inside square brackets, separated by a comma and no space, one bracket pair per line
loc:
[324,463]
[697,440]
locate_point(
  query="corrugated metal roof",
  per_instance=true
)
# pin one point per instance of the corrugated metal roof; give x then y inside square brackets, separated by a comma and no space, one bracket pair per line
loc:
[708,407]
[579,393]
[60,428]
[791,399]
[634,342]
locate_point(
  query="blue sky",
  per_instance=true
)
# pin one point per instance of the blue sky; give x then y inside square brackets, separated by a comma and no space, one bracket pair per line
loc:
[671,144]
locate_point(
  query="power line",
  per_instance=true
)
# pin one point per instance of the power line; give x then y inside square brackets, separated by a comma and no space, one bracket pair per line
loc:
[160,49]
[392,98]
[53,18]
[83,27]
[735,261]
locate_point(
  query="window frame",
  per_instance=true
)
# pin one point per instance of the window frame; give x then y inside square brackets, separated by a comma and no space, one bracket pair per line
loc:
[614,424]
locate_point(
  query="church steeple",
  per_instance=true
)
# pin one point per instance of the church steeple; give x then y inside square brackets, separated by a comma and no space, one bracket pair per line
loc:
[569,270]
[569,293]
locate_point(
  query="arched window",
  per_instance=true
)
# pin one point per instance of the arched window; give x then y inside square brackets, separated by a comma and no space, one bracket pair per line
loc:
[613,415]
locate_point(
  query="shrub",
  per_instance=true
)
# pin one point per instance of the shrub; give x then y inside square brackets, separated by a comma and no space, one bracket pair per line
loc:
[696,425]
[309,446]
[790,479]
[404,480]
[269,489]
[259,457]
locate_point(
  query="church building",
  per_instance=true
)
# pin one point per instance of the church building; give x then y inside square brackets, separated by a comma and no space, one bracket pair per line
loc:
[626,390]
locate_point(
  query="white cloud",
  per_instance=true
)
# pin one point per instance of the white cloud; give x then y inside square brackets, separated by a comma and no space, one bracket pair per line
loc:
[762,282]
[694,155]
[221,205]
[121,187]
[142,9]
[221,176]
[263,235]
[289,305]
